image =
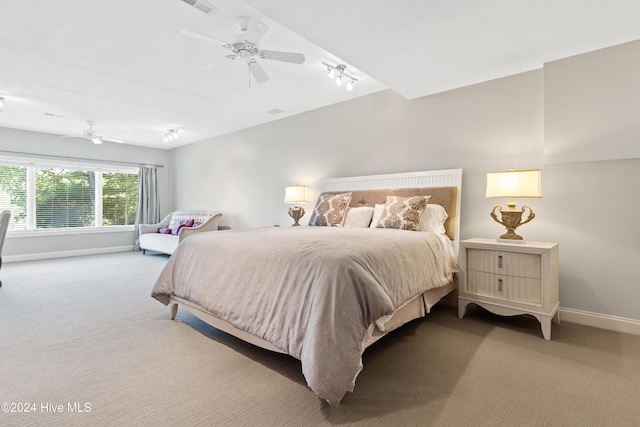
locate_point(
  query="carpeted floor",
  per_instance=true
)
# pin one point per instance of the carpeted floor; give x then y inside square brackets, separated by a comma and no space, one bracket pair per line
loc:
[82,343]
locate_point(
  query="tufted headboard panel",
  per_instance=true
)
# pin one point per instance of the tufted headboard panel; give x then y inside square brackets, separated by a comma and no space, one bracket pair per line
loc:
[444,187]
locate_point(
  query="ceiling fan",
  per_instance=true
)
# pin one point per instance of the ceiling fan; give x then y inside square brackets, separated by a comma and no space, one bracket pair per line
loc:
[92,136]
[245,47]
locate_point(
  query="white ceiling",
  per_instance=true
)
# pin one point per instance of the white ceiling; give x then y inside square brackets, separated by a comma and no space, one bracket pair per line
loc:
[125,64]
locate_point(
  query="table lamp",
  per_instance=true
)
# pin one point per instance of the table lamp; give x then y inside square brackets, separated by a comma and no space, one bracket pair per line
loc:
[513,184]
[296,194]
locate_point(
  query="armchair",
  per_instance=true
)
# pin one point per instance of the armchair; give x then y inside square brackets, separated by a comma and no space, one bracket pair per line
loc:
[152,239]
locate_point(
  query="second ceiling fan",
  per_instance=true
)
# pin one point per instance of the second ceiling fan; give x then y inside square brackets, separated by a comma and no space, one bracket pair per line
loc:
[92,136]
[245,47]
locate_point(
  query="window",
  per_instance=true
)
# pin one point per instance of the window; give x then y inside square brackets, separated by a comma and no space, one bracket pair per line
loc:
[13,194]
[62,197]
[119,198]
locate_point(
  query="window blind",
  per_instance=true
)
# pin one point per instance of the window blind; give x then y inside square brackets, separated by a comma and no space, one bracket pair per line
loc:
[45,196]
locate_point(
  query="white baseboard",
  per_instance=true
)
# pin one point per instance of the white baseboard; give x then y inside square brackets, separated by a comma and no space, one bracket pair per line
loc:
[602,321]
[65,254]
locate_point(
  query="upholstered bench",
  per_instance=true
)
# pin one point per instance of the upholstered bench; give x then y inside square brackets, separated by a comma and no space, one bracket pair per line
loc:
[174,228]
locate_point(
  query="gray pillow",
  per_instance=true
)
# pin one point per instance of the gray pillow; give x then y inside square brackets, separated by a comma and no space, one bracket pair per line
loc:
[330,209]
[403,213]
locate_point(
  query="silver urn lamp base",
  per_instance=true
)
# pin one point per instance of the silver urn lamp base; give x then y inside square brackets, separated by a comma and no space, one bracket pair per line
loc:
[511,218]
[296,212]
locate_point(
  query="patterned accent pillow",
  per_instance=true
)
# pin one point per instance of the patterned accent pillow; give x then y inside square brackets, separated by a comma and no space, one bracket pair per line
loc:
[187,223]
[403,213]
[330,209]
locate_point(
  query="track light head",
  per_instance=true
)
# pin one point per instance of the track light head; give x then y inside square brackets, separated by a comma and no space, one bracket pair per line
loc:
[338,72]
[171,135]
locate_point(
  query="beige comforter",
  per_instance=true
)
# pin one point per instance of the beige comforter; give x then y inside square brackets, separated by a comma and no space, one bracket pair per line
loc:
[313,292]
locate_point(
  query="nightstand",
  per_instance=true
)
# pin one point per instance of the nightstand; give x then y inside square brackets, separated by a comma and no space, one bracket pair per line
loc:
[510,279]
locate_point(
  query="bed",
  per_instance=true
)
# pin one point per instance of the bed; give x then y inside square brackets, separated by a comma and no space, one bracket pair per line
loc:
[323,294]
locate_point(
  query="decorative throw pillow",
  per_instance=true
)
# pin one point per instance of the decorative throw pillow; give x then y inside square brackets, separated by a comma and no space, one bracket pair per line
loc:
[330,209]
[403,213]
[359,217]
[164,230]
[187,223]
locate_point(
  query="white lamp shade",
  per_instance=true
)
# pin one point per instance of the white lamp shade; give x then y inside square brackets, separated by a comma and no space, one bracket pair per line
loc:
[512,184]
[296,194]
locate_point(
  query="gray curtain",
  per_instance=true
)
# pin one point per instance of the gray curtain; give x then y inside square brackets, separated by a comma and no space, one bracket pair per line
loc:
[148,203]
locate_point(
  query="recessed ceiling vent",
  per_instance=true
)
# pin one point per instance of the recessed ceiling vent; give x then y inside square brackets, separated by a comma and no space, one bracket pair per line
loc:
[202,6]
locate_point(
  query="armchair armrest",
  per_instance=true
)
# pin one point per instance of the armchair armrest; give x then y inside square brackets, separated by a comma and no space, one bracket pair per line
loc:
[211,224]
[153,228]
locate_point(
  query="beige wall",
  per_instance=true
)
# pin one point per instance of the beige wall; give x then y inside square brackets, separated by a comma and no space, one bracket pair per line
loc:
[592,106]
[491,126]
[486,127]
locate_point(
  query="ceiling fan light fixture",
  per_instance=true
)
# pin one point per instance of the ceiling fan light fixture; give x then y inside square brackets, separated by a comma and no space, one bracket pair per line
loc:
[246,47]
[90,134]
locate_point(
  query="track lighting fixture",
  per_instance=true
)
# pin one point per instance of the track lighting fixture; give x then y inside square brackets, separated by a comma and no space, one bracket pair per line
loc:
[339,72]
[171,135]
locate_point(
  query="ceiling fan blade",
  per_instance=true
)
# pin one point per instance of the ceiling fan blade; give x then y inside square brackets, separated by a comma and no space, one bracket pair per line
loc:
[296,58]
[202,37]
[258,72]
[95,140]
[211,65]
[255,31]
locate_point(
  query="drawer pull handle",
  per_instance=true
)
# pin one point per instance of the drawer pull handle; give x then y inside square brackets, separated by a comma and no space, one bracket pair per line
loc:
[499,261]
[499,285]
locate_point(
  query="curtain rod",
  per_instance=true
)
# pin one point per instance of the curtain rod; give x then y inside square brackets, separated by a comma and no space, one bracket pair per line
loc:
[52,156]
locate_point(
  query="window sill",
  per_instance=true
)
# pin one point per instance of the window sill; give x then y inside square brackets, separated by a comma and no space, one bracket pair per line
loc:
[70,231]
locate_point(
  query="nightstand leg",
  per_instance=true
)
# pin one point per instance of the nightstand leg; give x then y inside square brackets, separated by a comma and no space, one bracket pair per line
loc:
[545,324]
[462,308]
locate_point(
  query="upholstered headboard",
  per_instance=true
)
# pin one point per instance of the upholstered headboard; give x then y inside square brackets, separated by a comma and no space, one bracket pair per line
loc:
[444,187]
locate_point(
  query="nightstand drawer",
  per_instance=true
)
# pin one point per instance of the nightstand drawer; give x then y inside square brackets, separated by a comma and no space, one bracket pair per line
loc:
[512,288]
[503,262]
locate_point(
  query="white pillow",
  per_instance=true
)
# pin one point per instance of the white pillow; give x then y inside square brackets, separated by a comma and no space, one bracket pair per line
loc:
[377,213]
[359,217]
[433,219]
